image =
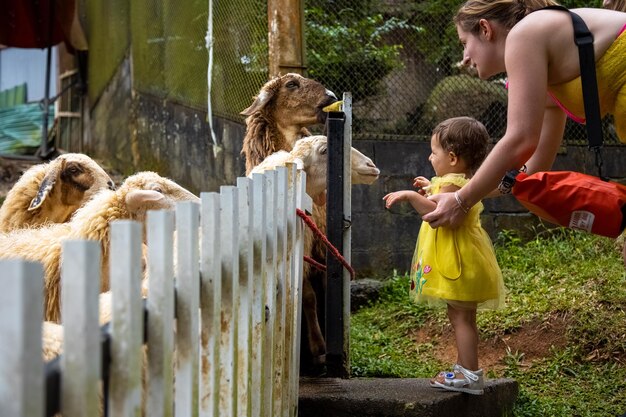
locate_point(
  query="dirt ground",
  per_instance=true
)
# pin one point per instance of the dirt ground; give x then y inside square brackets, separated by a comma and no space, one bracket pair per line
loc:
[531,342]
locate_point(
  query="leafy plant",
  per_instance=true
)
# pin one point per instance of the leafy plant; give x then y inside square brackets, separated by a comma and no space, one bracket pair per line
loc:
[347,48]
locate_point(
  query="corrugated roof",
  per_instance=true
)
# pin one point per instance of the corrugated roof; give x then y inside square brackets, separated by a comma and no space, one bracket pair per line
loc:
[13,96]
[20,128]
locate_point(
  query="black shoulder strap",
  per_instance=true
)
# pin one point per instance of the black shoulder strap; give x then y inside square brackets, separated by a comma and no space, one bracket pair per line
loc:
[584,41]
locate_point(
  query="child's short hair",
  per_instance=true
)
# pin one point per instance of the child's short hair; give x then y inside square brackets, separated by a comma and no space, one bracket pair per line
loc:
[466,137]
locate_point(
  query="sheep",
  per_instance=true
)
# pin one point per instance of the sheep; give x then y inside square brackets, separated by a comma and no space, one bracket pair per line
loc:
[52,192]
[280,114]
[139,193]
[312,154]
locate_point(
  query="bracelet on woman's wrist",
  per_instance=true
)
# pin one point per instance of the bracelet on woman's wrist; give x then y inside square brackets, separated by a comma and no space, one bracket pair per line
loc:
[461,203]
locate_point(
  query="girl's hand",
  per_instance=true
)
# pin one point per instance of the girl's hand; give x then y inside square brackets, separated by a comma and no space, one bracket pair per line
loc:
[447,214]
[395,197]
[420,183]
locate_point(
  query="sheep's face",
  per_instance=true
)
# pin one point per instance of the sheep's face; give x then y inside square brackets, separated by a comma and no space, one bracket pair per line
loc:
[149,191]
[362,168]
[313,151]
[74,178]
[292,100]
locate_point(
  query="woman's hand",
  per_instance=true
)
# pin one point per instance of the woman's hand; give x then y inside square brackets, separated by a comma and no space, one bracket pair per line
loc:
[448,213]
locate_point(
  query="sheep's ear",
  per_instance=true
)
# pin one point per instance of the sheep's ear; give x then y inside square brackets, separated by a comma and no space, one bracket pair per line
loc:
[136,199]
[261,100]
[44,189]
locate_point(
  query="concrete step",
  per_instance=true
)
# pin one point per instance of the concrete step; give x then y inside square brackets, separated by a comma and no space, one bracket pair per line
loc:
[400,397]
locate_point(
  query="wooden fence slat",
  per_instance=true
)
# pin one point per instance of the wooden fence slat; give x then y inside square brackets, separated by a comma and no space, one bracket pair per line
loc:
[281,271]
[303,201]
[127,319]
[270,292]
[21,312]
[187,309]
[230,284]
[244,185]
[80,286]
[258,291]
[290,210]
[210,303]
[160,305]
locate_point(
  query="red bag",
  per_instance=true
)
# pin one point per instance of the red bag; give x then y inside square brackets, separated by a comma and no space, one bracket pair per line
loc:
[573,200]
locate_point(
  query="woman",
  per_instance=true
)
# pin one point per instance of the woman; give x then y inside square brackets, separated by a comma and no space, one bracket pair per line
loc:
[538,54]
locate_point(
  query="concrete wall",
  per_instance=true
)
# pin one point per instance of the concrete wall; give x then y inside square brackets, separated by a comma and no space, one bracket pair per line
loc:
[133,132]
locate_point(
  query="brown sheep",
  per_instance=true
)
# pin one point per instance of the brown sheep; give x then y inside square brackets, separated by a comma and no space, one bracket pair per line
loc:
[52,192]
[280,114]
[282,110]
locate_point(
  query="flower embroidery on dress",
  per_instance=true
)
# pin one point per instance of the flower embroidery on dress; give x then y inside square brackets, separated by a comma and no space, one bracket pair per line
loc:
[419,280]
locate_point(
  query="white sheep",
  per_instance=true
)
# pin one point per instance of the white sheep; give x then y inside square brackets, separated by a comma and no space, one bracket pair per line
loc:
[52,192]
[311,154]
[138,194]
[280,114]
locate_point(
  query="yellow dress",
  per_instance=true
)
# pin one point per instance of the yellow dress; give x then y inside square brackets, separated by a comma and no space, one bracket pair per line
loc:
[456,265]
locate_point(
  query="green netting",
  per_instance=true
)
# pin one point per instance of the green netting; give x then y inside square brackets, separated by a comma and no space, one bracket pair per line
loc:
[240,58]
[108,38]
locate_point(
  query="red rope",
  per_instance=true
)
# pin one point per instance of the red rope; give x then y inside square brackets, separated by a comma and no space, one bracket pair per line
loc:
[309,222]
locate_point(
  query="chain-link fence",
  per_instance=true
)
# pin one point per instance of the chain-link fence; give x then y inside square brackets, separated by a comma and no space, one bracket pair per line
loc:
[400,59]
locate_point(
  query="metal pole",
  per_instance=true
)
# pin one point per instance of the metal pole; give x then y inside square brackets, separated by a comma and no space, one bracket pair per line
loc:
[336,325]
[285,36]
[44,150]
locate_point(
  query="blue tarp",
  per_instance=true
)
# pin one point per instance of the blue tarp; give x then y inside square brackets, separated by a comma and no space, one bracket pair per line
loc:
[20,128]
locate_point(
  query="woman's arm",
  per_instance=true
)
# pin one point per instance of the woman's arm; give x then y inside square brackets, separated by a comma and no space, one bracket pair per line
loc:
[526,60]
[550,140]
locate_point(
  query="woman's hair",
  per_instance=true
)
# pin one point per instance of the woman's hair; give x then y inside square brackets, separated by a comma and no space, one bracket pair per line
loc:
[619,5]
[505,12]
[466,137]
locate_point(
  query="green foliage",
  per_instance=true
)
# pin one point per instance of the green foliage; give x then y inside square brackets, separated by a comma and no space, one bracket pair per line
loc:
[438,41]
[559,273]
[346,46]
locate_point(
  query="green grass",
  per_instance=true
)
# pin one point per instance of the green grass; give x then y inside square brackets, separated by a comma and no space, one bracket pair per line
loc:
[561,273]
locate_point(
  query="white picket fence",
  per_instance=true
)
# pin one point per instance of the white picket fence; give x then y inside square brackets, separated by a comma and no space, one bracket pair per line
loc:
[223,326]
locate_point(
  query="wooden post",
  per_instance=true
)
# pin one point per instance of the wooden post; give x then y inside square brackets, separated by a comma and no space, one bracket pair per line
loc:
[337,332]
[21,311]
[285,19]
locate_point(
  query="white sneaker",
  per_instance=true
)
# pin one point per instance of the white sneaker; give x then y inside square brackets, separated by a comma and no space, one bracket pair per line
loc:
[460,380]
